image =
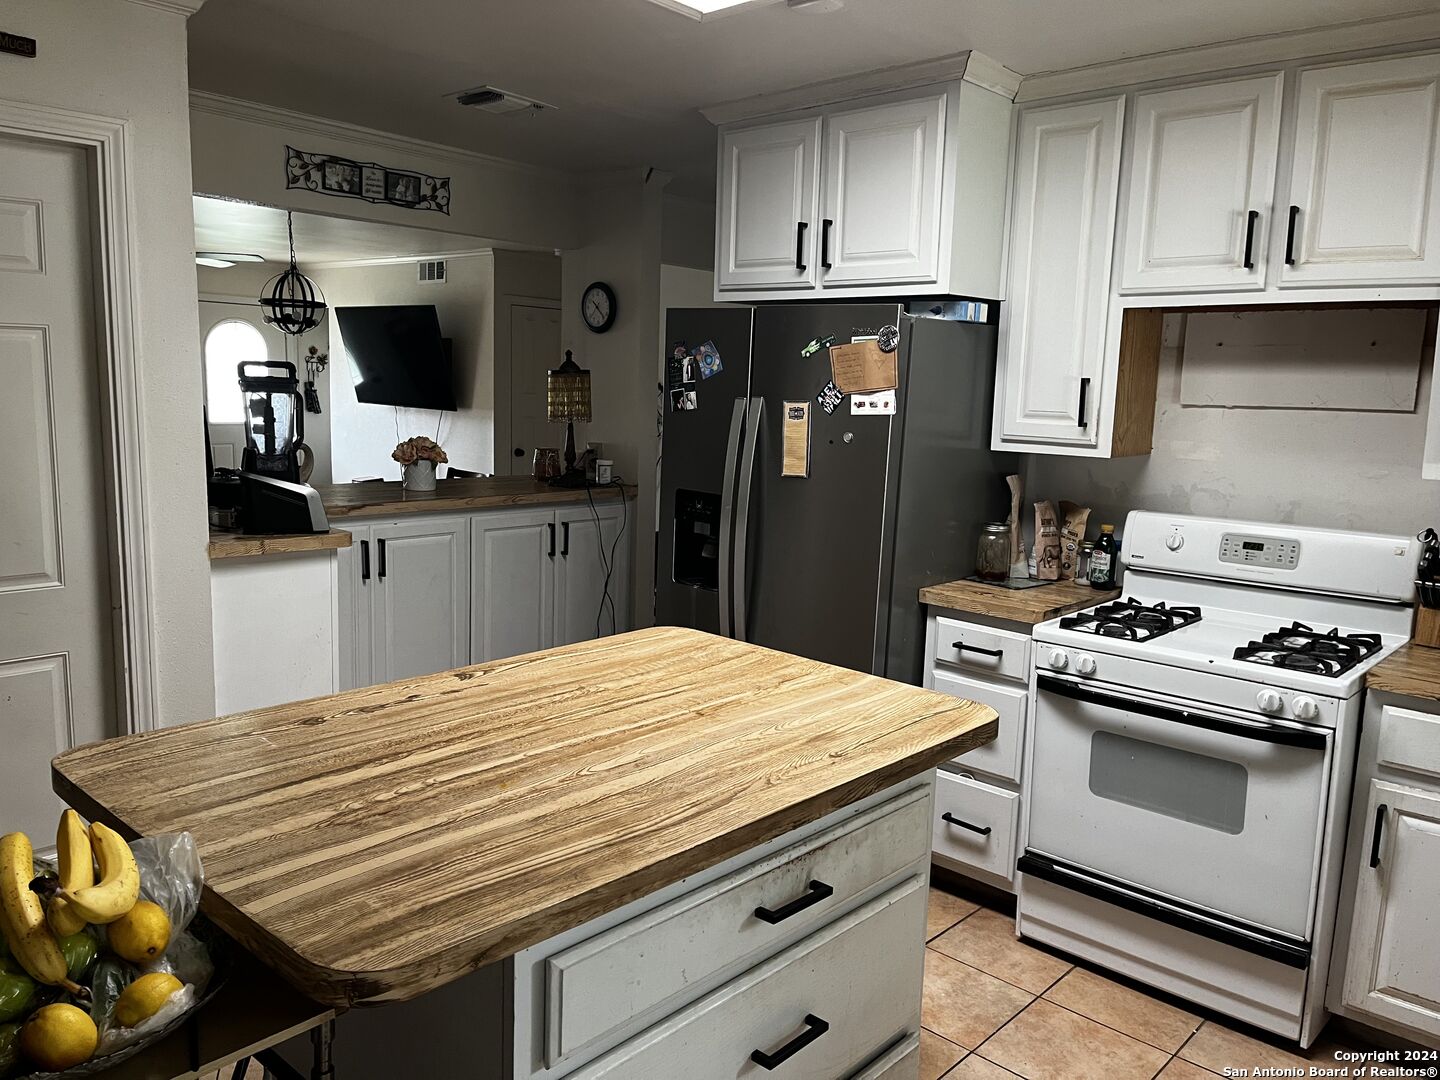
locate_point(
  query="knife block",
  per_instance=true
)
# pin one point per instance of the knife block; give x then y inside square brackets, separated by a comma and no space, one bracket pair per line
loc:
[1427,627]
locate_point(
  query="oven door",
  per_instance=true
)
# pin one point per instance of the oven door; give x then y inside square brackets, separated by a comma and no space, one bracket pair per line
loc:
[1214,808]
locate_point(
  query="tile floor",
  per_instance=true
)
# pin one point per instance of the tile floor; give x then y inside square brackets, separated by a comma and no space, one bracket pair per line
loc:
[996,1008]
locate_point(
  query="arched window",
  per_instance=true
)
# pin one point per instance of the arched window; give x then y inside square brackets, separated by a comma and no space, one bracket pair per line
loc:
[229,344]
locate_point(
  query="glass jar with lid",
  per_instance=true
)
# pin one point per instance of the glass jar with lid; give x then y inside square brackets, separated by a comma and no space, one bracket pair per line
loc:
[992,555]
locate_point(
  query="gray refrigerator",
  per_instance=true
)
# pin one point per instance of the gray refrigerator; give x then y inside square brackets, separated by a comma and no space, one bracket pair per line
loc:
[826,565]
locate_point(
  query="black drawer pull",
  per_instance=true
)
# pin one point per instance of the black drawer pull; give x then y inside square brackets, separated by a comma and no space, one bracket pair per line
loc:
[825,226]
[1290,237]
[800,227]
[814,1028]
[565,545]
[818,891]
[962,647]
[381,545]
[983,830]
[1082,415]
[1377,835]
[551,527]
[364,561]
[1250,221]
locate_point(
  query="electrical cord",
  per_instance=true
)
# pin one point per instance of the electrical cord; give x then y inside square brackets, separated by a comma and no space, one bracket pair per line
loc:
[607,563]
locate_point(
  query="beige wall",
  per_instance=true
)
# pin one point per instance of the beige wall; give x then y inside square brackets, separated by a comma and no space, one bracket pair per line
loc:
[127,61]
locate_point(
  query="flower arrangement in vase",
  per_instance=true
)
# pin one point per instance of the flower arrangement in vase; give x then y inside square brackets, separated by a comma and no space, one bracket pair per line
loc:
[419,456]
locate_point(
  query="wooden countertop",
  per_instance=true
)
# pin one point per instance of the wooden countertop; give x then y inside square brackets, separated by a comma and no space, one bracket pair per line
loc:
[374,497]
[1029,606]
[1412,670]
[382,842]
[231,545]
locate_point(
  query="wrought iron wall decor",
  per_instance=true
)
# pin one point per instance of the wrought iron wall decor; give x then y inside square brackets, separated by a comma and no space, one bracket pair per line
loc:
[331,175]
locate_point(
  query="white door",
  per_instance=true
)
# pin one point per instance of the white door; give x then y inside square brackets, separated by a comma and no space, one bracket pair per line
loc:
[1201,185]
[592,578]
[512,581]
[420,609]
[767,235]
[534,350]
[57,677]
[1365,197]
[883,177]
[1062,233]
[1393,970]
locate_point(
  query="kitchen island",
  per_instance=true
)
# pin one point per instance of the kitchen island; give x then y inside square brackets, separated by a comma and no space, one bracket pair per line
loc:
[646,847]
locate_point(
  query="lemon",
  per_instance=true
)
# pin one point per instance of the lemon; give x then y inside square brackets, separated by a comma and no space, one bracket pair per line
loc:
[143,998]
[141,934]
[59,1037]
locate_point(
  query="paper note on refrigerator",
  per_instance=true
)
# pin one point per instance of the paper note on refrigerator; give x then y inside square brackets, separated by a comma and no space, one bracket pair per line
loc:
[795,432]
[862,367]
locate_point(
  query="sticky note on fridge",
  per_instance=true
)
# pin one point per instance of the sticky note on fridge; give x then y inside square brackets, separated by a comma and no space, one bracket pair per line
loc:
[862,367]
[878,404]
[795,435]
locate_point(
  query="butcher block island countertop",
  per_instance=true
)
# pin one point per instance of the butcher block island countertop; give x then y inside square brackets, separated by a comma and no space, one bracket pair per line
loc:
[382,842]
[386,497]
[1029,606]
[1411,671]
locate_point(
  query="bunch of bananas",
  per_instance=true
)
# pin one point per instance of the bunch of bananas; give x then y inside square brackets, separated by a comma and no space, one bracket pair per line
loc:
[48,947]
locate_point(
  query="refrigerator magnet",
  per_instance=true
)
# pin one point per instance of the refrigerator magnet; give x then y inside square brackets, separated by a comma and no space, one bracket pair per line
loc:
[817,344]
[863,368]
[830,398]
[708,357]
[888,338]
[881,404]
[795,435]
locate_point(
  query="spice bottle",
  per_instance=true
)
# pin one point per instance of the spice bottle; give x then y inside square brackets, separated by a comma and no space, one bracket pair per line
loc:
[1102,559]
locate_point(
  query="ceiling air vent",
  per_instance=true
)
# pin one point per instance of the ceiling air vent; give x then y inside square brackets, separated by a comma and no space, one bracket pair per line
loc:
[501,102]
[432,272]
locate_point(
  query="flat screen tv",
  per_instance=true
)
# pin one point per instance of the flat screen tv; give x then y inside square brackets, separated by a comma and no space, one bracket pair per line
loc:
[398,355]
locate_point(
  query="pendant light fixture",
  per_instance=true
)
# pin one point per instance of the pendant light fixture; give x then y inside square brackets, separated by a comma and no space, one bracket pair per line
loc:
[292,303]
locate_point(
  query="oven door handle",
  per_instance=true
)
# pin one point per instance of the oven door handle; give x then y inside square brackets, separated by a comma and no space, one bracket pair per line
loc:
[1271,733]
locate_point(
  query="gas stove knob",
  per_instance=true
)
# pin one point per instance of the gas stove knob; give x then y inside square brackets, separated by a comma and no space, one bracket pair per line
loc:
[1305,708]
[1059,659]
[1269,701]
[1084,664]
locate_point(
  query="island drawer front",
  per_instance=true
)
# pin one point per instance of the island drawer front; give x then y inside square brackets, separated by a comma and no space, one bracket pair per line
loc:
[979,806]
[900,1062]
[860,975]
[982,650]
[1409,740]
[1000,757]
[599,984]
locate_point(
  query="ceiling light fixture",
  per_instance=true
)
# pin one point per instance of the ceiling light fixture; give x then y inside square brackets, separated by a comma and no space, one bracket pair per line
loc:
[700,10]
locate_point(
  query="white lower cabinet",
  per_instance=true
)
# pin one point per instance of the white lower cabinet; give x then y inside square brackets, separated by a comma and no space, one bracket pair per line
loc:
[512,582]
[592,578]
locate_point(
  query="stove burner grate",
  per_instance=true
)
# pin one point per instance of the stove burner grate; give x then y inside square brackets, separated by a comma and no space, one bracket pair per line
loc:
[1131,620]
[1297,647]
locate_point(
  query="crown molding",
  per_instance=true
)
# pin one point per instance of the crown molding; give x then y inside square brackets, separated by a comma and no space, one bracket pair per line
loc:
[184,8]
[972,67]
[1411,29]
[320,127]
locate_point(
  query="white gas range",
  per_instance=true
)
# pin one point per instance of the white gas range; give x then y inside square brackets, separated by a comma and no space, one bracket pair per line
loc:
[1191,759]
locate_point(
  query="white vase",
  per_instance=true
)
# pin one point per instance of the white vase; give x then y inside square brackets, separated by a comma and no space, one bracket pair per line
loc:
[420,476]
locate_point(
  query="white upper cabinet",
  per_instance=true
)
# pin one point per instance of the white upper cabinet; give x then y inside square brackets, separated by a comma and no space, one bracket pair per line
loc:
[882,193]
[769,190]
[1201,179]
[1062,226]
[1364,201]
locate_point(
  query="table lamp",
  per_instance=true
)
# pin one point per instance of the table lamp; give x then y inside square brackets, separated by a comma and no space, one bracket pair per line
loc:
[568,400]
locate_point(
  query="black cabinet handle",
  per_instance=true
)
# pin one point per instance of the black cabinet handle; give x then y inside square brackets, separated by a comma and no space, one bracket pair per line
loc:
[983,830]
[1082,420]
[1290,237]
[565,548]
[551,527]
[1380,812]
[364,561]
[1250,239]
[800,227]
[814,1028]
[962,647]
[818,891]
[381,545]
[825,227]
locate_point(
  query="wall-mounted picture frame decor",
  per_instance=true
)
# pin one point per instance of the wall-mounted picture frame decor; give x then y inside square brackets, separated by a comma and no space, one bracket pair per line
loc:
[328,174]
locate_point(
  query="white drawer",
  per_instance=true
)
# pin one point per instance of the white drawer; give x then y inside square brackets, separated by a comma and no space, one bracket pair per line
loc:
[900,1062]
[1000,757]
[991,821]
[638,966]
[1001,654]
[860,976]
[1409,740]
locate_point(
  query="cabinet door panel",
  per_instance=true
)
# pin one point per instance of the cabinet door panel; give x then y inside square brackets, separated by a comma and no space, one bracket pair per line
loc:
[1393,970]
[512,575]
[356,578]
[581,570]
[1365,182]
[1052,330]
[769,185]
[420,609]
[1204,158]
[882,193]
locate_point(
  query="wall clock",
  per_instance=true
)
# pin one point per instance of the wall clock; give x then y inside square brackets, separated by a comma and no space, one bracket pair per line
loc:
[597,307]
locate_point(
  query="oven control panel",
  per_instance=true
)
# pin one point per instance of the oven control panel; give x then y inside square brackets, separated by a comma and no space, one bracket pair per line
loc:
[1279,553]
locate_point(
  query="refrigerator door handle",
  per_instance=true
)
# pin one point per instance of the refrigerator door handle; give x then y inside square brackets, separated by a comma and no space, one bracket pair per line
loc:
[727,514]
[742,520]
